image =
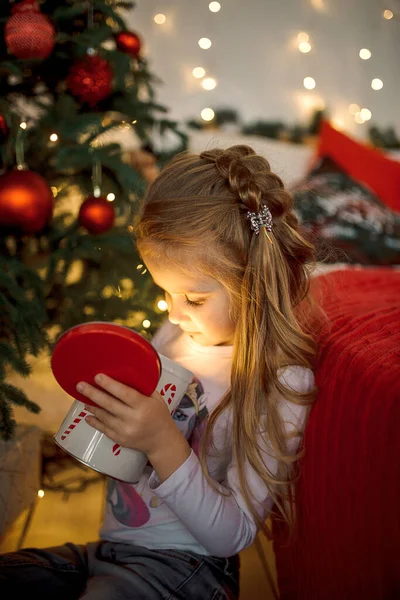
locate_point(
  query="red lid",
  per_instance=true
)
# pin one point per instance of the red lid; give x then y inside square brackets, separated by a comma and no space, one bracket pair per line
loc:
[91,348]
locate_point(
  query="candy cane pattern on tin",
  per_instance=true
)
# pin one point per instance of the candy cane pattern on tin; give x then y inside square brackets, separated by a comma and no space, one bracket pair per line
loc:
[170,389]
[116,449]
[74,423]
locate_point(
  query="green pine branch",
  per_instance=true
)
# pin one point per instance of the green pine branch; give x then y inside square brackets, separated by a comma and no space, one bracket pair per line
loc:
[38,289]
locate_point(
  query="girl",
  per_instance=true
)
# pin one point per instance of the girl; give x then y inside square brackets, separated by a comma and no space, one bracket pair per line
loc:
[218,234]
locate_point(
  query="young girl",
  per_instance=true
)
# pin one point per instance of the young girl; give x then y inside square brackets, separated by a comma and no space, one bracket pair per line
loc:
[218,234]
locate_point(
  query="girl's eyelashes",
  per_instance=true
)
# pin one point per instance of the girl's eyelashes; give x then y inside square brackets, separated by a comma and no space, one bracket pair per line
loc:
[192,303]
[188,302]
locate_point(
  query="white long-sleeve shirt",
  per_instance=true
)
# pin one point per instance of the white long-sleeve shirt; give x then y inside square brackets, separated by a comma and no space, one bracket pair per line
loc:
[185,512]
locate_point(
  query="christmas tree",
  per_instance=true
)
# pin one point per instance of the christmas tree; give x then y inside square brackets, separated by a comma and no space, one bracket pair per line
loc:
[72,75]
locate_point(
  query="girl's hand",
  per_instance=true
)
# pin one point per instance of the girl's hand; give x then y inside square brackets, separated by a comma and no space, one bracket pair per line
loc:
[129,418]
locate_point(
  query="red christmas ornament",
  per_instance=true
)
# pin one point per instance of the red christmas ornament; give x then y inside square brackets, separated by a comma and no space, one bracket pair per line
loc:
[28,33]
[128,42]
[26,201]
[4,131]
[96,215]
[90,79]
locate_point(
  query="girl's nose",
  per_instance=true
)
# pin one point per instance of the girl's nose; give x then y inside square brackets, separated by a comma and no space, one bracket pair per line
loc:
[174,314]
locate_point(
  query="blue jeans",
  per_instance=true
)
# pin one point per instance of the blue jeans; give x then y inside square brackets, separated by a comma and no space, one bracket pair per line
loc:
[115,571]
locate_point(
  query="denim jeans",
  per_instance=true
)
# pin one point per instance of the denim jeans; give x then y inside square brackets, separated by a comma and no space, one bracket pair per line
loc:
[115,571]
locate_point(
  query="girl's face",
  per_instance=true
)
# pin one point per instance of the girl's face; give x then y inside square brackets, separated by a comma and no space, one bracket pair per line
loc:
[199,305]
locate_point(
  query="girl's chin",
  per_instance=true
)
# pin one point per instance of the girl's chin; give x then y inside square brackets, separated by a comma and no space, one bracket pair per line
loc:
[203,340]
[199,338]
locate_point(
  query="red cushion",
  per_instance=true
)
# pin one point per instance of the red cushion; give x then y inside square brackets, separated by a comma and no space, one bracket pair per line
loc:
[366,165]
[347,542]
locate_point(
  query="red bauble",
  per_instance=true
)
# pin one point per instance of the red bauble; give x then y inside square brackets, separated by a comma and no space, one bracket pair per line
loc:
[4,131]
[128,42]
[28,33]
[26,201]
[96,215]
[90,79]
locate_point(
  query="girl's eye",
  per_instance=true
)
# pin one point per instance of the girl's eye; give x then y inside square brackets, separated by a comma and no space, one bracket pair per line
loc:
[192,303]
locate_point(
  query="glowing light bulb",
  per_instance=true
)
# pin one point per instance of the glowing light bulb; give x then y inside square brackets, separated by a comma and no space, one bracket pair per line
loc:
[111,197]
[309,83]
[53,137]
[160,19]
[107,291]
[162,305]
[365,54]
[198,72]
[209,83]
[377,84]
[366,114]
[23,125]
[358,118]
[214,6]
[207,114]
[304,47]
[354,109]
[303,37]
[387,14]
[146,324]
[205,43]
[40,493]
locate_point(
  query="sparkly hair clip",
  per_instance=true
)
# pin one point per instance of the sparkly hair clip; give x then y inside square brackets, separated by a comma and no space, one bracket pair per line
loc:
[262,219]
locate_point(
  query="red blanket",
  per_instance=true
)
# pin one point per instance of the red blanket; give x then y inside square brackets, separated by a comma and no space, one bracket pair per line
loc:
[347,543]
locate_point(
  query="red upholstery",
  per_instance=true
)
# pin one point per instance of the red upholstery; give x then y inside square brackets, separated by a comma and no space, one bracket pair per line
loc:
[366,165]
[347,542]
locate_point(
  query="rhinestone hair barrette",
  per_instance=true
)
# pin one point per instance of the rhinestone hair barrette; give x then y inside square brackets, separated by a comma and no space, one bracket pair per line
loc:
[261,220]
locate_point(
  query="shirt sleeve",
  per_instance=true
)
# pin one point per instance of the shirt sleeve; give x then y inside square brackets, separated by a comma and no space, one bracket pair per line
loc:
[221,520]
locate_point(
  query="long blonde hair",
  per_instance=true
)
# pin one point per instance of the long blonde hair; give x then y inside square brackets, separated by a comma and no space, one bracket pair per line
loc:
[197,207]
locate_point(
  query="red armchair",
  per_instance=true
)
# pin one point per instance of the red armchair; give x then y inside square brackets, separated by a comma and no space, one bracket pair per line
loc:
[347,539]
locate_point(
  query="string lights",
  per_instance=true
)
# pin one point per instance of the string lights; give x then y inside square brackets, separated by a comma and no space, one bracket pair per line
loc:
[214,7]
[198,72]
[365,54]
[205,43]
[309,83]
[207,114]
[304,44]
[209,83]
[160,19]
[377,84]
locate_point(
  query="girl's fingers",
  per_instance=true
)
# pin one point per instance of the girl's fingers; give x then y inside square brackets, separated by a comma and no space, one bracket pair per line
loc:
[103,416]
[112,405]
[121,391]
[100,426]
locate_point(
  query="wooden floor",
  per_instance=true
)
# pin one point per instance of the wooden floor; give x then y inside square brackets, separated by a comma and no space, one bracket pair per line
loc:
[60,517]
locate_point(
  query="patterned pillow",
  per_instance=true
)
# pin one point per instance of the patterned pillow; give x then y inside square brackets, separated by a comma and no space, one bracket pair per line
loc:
[346,221]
